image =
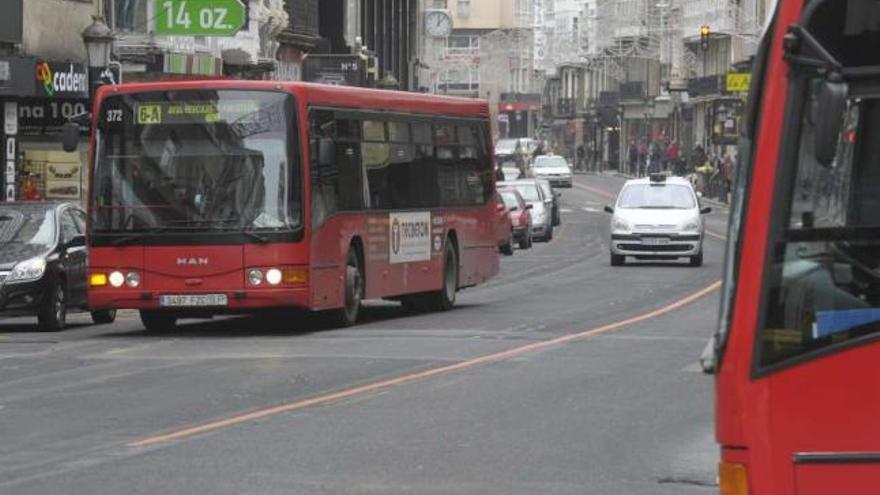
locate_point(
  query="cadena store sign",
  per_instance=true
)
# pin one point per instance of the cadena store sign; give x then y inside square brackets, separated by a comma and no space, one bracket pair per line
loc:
[62,80]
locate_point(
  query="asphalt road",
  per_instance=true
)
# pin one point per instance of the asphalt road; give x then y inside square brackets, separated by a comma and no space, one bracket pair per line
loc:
[562,376]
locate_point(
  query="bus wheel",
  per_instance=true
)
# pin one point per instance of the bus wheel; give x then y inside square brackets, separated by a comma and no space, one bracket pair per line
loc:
[155,321]
[354,293]
[444,299]
[104,316]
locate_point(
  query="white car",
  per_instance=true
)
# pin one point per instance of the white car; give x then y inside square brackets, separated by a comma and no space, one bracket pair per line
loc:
[554,169]
[657,218]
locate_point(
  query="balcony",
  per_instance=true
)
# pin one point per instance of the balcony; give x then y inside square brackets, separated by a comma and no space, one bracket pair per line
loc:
[632,91]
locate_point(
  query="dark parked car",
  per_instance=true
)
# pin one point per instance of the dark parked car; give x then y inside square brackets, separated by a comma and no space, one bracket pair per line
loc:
[43,263]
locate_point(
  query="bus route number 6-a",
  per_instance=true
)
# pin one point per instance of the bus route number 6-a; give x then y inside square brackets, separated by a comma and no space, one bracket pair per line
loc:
[149,114]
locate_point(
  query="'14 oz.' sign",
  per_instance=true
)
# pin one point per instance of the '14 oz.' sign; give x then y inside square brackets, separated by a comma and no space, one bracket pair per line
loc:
[199,17]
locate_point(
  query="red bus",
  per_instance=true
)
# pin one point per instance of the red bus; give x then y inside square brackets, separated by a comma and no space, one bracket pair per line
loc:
[235,197]
[798,350]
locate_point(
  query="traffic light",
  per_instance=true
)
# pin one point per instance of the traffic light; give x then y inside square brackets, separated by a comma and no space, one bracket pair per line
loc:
[704,37]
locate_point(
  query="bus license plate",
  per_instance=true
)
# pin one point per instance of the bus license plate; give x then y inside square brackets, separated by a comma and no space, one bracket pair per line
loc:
[655,241]
[193,300]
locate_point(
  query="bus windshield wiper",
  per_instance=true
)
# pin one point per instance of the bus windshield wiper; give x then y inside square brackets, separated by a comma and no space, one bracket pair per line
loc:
[138,236]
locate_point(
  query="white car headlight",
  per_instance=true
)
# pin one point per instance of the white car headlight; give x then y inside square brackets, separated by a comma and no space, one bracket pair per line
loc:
[618,224]
[32,269]
[691,225]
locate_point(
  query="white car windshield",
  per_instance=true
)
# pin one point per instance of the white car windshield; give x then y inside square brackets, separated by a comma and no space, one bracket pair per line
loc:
[663,197]
[529,192]
[550,162]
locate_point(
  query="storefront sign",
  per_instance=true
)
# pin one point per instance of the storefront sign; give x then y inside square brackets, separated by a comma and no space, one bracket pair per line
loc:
[199,17]
[10,153]
[10,120]
[337,70]
[61,80]
[44,117]
[738,82]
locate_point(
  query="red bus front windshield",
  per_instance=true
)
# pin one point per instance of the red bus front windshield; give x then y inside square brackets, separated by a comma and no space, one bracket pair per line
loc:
[173,164]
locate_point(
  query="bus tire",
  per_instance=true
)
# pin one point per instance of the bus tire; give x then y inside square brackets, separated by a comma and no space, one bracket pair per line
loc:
[104,316]
[444,299]
[347,315]
[155,321]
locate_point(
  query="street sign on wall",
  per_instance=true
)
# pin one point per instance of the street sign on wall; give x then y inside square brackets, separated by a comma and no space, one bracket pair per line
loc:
[199,17]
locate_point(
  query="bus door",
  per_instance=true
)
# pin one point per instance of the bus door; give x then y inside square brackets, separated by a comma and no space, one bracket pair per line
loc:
[815,369]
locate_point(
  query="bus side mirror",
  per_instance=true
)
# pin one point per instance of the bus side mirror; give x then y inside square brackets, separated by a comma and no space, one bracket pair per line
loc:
[830,109]
[70,137]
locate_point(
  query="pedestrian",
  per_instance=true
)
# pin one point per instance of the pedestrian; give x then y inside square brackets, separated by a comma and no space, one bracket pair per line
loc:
[643,158]
[633,155]
[672,156]
[581,156]
[655,158]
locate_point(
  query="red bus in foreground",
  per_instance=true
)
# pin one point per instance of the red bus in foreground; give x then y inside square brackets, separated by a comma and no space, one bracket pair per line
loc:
[798,350]
[235,197]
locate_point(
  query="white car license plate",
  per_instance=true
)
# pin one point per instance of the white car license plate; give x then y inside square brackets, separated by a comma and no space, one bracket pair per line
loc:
[193,300]
[655,241]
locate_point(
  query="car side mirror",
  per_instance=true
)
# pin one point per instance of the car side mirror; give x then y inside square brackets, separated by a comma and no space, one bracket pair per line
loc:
[499,207]
[529,206]
[830,109]
[706,210]
[70,137]
[76,241]
[609,209]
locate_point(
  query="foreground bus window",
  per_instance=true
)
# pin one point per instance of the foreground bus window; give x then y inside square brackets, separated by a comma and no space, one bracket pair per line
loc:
[195,162]
[825,279]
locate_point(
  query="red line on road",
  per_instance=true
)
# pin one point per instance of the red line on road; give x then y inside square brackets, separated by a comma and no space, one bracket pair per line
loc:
[421,375]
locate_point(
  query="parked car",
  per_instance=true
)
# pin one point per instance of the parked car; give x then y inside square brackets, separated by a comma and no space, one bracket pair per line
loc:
[555,169]
[552,200]
[657,218]
[43,263]
[520,216]
[542,221]
[503,226]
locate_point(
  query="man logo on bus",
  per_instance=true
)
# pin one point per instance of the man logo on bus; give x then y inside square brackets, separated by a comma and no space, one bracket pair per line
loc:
[395,236]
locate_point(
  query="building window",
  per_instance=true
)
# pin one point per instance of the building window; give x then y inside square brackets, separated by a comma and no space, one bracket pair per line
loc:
[127,15]
[463,46]
[464,8]
[438,4]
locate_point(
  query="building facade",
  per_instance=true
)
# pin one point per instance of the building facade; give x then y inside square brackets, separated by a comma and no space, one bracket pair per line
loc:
[489,53]
[44,81]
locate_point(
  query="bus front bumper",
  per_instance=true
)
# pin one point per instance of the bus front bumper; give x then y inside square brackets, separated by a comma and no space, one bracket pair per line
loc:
[243,301]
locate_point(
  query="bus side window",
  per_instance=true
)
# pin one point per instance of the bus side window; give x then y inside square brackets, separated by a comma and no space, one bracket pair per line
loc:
[322,151]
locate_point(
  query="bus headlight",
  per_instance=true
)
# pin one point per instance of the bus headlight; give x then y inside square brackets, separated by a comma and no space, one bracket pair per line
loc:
[255,277]
[273,276]
[133,280]
[117,279]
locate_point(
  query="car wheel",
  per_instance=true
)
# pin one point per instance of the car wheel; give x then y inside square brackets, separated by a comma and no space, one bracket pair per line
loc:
[354,293]
[52,315]
[524,241]
[104,317]
[507,247]
[155,321]
[549,236]
[618,259]
[697,260]
[529,240]
[444,299]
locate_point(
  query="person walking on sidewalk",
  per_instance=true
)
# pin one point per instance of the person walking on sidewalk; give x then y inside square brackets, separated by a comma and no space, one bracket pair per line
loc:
[671,162]
[633,156]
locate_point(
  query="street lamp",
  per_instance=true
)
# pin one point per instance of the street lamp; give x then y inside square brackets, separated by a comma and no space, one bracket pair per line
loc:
[98,38]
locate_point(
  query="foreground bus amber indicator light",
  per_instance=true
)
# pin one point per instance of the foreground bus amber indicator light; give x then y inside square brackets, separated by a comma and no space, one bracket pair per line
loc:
[733,479]
[98,280]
